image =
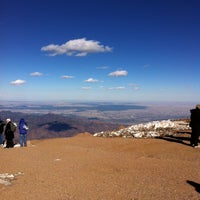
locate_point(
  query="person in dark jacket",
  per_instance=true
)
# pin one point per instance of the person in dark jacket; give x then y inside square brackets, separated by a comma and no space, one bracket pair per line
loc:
[23,128]
[195,125]
[2,124]
[9,134]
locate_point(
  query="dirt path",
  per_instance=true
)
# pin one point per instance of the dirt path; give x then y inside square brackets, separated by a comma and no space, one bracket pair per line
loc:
[90,168]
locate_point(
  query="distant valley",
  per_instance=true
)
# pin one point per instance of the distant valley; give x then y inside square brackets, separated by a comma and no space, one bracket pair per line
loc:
[63,119]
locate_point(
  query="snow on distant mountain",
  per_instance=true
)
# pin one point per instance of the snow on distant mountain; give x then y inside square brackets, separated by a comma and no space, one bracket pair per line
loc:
[148,130]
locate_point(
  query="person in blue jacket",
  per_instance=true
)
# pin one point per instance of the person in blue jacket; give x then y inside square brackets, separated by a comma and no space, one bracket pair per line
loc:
[23,128]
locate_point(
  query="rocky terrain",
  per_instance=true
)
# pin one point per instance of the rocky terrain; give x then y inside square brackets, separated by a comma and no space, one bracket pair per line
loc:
[149,130]
[84,167]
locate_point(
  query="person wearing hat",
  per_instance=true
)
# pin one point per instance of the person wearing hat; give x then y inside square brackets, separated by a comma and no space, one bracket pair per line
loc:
[9,134]
[195,125]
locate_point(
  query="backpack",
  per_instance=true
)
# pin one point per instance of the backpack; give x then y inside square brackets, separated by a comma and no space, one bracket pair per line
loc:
[13,127]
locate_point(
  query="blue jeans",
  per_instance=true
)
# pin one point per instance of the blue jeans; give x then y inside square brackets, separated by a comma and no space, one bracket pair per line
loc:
[23,140]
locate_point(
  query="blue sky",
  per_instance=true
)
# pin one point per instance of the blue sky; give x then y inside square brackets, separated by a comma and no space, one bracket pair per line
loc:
[103,50]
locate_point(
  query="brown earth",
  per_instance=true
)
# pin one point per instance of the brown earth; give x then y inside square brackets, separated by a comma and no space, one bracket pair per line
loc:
[90,168]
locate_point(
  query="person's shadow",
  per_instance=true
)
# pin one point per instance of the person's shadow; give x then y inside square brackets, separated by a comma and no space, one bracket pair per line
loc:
[177,139]
[195,185]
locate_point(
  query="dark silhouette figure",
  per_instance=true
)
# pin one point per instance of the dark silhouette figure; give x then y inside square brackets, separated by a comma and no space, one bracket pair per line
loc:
[9,134]
[195,185]
[195,125]
[2,124]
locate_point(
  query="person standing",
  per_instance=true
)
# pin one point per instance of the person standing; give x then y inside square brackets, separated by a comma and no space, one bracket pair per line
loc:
[2,124]
[9,134]
[23,128]
[195,125]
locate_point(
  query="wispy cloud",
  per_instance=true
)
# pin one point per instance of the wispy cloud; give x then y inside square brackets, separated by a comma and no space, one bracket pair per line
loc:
[86,88]
[67,77]
[118,73]
[103,67]
[76,47]
[120,88]
[135,86]
[117,88]
[91,80]
[146,65]
[36,74]
[18,82]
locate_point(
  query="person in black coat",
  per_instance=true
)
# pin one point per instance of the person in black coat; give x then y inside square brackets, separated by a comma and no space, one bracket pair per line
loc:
[2,124]
[195,125]
[9,134]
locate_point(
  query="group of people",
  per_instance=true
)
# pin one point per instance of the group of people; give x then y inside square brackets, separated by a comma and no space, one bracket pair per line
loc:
[7,130]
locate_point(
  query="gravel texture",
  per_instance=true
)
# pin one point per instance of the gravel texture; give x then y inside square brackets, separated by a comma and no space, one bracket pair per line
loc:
[95,168]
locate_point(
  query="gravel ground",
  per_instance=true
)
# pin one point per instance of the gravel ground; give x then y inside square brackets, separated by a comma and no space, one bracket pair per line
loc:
[92,168]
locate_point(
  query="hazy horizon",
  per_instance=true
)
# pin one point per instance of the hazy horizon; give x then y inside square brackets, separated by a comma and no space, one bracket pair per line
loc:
[127,113]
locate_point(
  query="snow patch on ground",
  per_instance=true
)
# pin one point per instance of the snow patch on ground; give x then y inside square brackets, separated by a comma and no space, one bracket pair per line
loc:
[147,130]
[6,178]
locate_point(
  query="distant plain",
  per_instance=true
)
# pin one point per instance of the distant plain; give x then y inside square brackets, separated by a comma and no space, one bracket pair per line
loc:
[64,119]
[120,112]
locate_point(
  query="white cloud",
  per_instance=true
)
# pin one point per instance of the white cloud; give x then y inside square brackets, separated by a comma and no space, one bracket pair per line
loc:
[86,88]
[103,67]
[120,88]
[91,80]
[76,47]
[118,73]
[135,86]
[117,88]
[18,82]
[36,74]
[67,77]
